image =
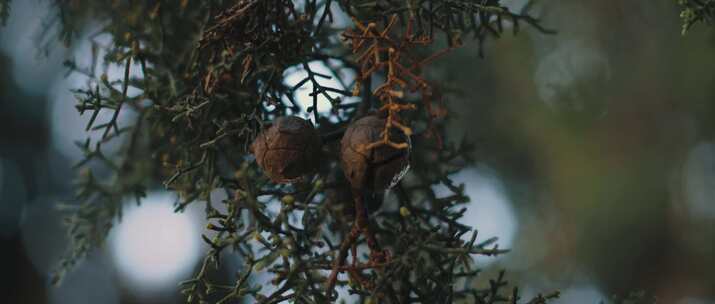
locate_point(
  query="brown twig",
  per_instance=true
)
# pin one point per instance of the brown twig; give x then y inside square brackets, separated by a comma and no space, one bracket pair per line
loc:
[371,45]
[342,255]
[377,255]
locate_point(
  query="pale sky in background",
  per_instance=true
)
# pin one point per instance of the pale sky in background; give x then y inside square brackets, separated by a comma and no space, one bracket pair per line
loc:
[489,211]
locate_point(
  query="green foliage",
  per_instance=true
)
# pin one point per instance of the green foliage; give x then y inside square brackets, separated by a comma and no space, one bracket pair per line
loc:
[696,11]
[212,74]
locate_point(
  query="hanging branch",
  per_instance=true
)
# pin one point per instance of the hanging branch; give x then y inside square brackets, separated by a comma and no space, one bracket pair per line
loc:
[213,77]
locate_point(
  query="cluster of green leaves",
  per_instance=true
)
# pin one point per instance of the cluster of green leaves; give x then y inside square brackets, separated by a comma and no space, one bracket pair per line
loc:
[696,11]
[210,75]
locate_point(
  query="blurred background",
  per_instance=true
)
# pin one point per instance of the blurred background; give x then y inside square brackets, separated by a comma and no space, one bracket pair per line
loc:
[595,162]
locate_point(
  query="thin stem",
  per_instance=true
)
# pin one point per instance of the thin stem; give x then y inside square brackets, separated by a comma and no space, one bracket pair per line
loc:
[115,115]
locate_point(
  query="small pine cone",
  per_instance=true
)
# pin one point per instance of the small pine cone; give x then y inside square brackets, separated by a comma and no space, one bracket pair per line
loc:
[288,149]
[378,168]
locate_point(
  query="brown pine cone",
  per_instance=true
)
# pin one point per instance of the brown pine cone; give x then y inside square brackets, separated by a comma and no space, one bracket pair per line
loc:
[288,149]
[378,168]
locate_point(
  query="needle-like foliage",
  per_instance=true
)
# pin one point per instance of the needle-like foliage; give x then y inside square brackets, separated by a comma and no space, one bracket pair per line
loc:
[696,11]
[201,78]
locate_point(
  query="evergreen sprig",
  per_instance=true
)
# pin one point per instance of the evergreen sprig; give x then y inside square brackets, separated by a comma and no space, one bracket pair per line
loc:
[212,75]
[696,11]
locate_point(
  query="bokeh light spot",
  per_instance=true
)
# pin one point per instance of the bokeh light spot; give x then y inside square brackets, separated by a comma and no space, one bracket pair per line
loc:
[562,72]
[66,124]
[153,247]
[699,180]
[295,74]
[36,56]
